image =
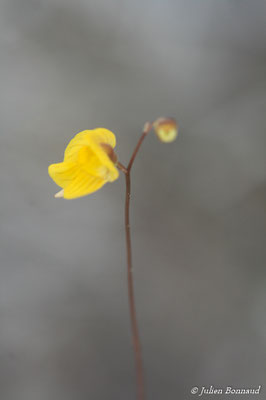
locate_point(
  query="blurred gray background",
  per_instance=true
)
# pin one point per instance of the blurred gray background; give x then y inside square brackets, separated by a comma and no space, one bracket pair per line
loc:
[198,205]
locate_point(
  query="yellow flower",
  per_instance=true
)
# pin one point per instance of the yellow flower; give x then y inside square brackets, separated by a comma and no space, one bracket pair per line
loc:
[166,129]
[89,162]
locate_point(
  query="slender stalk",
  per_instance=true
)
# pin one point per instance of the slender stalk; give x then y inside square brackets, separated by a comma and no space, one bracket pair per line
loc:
[131,296]
[146,130]
[122,167]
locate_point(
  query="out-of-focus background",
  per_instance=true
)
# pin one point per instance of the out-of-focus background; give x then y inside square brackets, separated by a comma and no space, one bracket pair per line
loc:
[198,205]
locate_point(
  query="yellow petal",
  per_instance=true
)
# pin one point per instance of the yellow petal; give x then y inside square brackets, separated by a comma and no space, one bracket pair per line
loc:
[95,161]
[86,138]
[63,173]
[87,165]
[102,135]
[92,140]
[83,185]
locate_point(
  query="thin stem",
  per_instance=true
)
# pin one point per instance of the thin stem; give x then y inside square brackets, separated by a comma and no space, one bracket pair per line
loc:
[122,167]
[131,297]
[146,130]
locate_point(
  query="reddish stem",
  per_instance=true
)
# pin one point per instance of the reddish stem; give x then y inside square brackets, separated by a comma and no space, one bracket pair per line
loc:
[131,297]
[146,130]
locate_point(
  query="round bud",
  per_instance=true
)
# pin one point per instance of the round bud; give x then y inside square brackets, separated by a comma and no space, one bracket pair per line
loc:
[166,129]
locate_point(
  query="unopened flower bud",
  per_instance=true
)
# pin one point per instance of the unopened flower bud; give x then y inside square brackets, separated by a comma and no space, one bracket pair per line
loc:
[166,129]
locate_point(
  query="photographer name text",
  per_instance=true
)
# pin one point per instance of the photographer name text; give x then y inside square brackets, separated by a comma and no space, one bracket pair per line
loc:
[211,390]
